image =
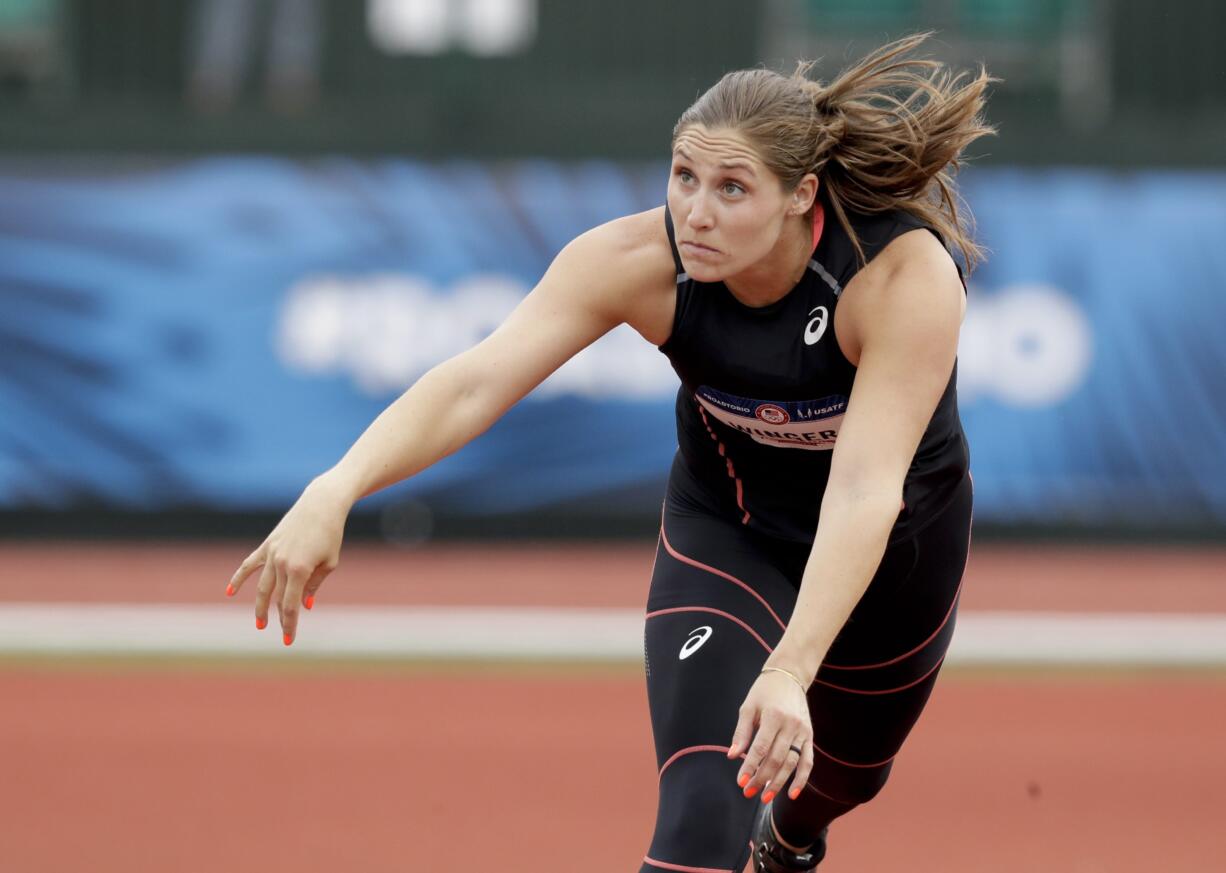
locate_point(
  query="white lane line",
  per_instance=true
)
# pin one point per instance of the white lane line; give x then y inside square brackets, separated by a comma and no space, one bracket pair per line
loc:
[331,631]
[1075,638]
[563,634]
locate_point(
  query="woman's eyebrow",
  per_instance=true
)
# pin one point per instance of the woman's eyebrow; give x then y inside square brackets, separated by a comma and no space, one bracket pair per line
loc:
[723,165]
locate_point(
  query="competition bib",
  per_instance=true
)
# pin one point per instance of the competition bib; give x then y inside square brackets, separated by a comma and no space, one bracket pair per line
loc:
[792,424]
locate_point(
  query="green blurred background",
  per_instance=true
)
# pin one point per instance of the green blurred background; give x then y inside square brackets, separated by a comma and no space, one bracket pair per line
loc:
[1084,81]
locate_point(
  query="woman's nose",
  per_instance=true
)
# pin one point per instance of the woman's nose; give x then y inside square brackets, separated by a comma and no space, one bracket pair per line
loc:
[700,216]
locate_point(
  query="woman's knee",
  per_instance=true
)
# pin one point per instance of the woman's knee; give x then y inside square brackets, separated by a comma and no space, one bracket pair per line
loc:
[703,819]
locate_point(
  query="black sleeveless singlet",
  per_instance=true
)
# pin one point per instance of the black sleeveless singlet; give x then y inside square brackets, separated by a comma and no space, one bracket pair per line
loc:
[764,389]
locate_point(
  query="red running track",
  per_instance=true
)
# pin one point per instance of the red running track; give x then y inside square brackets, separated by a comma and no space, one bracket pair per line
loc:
[113,769]
[112,772]
[1072,578]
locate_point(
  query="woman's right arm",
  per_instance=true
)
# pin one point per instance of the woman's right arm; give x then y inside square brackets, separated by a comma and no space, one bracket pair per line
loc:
[618,272]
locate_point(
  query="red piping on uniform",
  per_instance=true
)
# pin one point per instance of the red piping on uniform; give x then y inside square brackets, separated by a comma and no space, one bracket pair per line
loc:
[941,626]
[817,790]
[664,865]
[906,655]
[740,495]
[692,749]
[886,690]
[719,612]
[724,749]
[849,764]
[720,573]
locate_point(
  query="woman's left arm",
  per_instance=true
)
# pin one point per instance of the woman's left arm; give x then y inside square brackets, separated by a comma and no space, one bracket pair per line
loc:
[902,317]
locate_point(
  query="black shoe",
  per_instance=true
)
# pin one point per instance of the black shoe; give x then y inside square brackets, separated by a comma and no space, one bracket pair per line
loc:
[770,857]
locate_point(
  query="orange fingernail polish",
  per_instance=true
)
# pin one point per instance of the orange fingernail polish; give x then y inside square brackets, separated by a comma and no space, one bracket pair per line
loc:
[310,601]
[750,792]
[742,780]
[287,639]
[794,793]
[230,590]
[768,797]
[261,623]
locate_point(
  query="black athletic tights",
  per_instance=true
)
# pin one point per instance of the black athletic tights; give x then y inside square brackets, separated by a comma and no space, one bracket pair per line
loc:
[720,598]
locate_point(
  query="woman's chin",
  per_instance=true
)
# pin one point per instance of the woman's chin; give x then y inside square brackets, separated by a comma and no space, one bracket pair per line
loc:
[700,272]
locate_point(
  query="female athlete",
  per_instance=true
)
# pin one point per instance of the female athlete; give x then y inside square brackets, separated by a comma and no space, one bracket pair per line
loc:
[817,517]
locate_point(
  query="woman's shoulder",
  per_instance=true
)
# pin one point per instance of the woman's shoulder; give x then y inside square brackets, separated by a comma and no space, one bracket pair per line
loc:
[876,230]
[630,252]
[629,263]
[912,264]
[637,241]
[890,239]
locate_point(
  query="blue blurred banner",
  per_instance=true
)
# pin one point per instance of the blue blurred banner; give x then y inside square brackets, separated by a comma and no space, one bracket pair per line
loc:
[213,333]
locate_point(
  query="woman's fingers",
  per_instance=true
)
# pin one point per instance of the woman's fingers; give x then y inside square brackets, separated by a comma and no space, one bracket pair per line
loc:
[263,593]
[292,596]
[286,587]
[252,563]
[277,592]
[778,766]
[295,558]
[770,759]
[743,733]
[797,755]
[312,585]
[751,776]
[803,768]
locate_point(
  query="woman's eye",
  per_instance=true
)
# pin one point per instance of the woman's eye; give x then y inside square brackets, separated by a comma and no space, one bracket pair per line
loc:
[685,176]
[732,189]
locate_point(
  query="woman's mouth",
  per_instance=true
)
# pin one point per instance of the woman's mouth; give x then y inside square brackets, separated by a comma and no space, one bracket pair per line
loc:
[697,248]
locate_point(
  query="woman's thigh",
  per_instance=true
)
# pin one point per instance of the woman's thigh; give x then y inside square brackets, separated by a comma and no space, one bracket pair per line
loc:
[717,606]
[880,671]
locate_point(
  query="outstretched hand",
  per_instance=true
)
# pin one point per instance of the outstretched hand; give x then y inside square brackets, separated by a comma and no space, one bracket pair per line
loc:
[779,709]
[296,557]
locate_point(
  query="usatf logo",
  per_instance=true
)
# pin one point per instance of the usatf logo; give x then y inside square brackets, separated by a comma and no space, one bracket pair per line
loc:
[698,636]
[772,414]
[816,326]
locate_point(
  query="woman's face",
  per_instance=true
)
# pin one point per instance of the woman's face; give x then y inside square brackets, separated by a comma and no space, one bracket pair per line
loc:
[728,208]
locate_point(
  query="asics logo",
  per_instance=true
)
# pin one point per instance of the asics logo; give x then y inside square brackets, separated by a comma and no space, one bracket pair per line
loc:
[698,636]
[816,326]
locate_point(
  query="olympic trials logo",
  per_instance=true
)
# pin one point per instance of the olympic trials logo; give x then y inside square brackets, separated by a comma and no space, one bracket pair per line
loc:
[772,414]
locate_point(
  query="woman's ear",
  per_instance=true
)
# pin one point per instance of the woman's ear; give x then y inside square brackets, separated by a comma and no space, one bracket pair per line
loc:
[804,194]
